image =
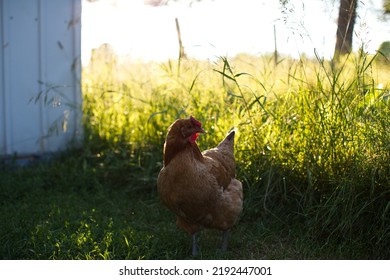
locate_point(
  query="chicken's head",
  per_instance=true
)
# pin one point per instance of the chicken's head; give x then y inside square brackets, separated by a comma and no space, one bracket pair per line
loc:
[191,129]
[187,129]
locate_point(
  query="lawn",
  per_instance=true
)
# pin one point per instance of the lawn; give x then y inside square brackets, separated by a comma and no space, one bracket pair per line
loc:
[312,152]
[68,209]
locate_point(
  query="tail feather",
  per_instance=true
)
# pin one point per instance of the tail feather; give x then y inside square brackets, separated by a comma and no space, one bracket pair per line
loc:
[231,135]
[228,140]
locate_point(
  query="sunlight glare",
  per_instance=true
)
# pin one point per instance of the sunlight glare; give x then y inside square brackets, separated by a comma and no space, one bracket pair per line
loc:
[221,27]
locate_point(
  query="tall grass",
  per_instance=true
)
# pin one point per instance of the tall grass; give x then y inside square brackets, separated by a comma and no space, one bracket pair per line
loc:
[313,146]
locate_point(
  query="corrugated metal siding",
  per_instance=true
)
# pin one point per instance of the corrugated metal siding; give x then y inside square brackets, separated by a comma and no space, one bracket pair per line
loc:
[40,97]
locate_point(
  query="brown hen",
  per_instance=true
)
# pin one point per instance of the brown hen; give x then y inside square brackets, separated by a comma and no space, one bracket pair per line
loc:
[200,188]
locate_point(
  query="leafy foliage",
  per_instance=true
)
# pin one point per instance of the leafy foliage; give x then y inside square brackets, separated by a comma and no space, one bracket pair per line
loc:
[312,150]
[313,135]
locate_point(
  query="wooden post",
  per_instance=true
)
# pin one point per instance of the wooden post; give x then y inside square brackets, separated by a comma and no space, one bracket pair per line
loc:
[276,48]
[181,48]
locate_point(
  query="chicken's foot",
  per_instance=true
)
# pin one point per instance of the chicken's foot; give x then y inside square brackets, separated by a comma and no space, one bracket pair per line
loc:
[194,245]
[225,237]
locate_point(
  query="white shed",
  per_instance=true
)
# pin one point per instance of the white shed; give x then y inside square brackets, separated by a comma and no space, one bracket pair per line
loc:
[40,73]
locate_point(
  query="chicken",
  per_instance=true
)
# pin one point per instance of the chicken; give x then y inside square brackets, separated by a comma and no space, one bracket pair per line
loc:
[200,188]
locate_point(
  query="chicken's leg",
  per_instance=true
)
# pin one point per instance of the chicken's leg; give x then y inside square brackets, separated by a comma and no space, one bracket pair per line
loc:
[194,245]
[225,237]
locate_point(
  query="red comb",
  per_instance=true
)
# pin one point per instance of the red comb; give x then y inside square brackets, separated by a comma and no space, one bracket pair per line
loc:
[195,121]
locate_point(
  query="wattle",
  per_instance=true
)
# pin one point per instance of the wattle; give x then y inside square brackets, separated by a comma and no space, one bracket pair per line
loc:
[193,137]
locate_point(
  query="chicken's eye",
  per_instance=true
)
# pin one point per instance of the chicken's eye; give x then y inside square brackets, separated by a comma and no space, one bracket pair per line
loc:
[185,130]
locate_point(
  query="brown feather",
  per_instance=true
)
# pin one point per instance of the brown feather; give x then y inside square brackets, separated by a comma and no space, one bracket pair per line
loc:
[200,188]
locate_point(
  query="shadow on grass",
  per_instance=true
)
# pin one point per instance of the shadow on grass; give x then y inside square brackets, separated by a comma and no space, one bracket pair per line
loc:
[66,209]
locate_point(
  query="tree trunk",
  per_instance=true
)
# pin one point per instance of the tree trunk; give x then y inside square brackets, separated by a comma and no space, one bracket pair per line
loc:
[345,24]
[386,6]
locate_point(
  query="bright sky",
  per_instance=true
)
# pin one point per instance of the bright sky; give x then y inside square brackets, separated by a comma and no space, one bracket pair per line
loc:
[212,28]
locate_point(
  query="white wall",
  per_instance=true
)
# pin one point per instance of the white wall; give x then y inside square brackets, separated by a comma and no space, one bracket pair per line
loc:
[39,50]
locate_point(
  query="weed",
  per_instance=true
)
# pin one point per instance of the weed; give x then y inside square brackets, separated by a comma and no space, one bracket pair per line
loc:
[312,152]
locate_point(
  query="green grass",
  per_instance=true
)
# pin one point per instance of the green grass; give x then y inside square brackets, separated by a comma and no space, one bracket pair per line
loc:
[68,209]
[312,151]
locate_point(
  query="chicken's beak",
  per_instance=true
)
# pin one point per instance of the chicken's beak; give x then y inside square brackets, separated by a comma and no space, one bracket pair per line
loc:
[201,130]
